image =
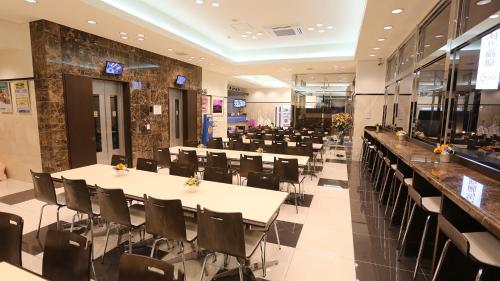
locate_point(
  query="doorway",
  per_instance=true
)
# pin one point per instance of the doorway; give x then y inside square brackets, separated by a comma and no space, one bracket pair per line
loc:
[108,114]
[176,114]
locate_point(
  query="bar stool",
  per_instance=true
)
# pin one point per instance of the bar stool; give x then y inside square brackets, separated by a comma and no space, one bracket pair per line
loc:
[431,205]
[369,155]
[481,246]
[385,178]
[378,169]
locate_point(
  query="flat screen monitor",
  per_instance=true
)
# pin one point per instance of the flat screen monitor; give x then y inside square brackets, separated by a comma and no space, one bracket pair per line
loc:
[113,68]
[239,103]
[181,80]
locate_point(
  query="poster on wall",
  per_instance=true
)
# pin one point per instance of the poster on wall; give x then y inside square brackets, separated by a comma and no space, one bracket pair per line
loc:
[21,93]
[217,105]
[5,98]
[205,104]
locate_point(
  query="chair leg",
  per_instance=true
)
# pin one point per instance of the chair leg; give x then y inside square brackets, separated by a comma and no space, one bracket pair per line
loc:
[130,241]
[203,270]
[382,191]
[73,222]
[153,248]
[240,270]
[277,234]
[91,219]
[406,231]
[395,204]
[40,220]
[405,213]
[58,221]
[441,258]
[263,255]
[421,248]
[181,246]
[391,191]
[295,198]
[479,274]
[108,227]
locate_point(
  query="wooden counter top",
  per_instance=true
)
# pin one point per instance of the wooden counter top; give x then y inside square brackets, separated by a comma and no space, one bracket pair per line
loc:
[472,191]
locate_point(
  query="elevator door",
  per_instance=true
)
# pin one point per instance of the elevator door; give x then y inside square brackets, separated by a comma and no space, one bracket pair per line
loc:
[108,119]
[176,122]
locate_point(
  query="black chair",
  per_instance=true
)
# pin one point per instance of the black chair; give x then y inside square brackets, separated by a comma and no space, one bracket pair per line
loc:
[11,236]
[217,160]
[78,199]
[118,159]
[114,209]
[46,192]
[177,169]
[66,256]
[224,233]
[188,158]
[163,157]
[136,267]
[241,146]
[222,175]
[294,150]
[147,165]
[287,171]
[279,146]
[249,164]
[215,143]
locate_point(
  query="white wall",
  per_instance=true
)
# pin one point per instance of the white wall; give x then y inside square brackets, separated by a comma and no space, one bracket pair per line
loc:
[368,101]
[216,86]
[19,137]
[261,103]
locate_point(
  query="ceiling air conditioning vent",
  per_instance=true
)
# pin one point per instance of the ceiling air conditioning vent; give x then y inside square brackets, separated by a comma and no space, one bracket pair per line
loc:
[289,30]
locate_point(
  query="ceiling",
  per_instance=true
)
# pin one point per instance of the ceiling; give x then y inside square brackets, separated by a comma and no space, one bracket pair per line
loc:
[206,36]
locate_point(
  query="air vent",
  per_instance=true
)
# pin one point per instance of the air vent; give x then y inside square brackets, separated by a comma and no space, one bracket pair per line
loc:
[289,30]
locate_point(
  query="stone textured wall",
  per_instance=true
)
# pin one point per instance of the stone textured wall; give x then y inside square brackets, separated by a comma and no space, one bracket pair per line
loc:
[59,50]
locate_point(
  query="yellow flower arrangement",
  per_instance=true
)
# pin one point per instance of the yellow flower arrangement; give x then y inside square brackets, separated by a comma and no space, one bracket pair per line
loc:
[260,150]
[444,149]
[401,133]
[120,167]
[192,181]
[342,121]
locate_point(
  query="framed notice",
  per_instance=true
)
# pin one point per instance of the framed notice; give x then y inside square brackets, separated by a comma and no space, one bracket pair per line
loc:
[5,98]
[217,105]
[21,93]
[205,104]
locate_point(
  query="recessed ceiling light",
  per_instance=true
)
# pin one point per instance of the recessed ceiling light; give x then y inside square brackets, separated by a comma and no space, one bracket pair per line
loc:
[170,49]
[483,2]
[123,33]
[397,11]
[259,33]
[248,32]
[92,21]
[494,16]
[376,48]
[191,57]
[329,27]
[439,36]
[372,55]
[199,1]
[427,45]
[215,4]
[321,31]
[31,1]
[140,39]
[202,58]
[388,27]
[124,37]
[140,35]
[381,39]
[244,35]
[319,25]
[254,37]
[311,28]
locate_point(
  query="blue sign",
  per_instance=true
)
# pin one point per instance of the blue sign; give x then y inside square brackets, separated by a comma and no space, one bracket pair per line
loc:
[207,128]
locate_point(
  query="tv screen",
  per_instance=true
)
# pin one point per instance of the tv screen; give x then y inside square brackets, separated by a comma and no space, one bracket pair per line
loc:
[181,80]
[113,68]
[239,103]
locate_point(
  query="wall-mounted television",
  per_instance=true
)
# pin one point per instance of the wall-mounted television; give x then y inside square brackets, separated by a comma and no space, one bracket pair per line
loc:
[239,103]
[181,80]
[113,68]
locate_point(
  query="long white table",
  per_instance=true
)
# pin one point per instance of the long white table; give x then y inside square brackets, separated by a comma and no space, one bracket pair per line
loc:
[256,205]
[11,272]
[235,154]
[316,146]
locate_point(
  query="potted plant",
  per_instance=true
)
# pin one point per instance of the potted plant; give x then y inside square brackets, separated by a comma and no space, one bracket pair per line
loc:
[444,152]
[341,122]
[401,135]
[192,184]
[121,169]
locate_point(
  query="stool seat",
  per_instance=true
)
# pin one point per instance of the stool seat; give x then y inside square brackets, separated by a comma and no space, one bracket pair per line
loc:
[394,166]
[432,204]
[484,247]
[408,181]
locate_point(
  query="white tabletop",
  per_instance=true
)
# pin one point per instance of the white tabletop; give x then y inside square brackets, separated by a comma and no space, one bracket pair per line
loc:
[316,146]
[256,205]
[235,154]
[11,272]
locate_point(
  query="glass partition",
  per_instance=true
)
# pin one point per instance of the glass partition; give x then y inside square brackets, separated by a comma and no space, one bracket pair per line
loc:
[429,111]
[389,101]
[434,34]
[404,102]
[407,55]
[475,115]
[474,12]
[391,68]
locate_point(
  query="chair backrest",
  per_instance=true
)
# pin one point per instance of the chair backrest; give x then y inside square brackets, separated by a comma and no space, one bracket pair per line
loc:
[66,256]
[147,165]
[118,159]
[162,157]
[240,146]
[269,148]
[455,235]
[221,232]
[293,150]
[287,170]
[188,158]
[113,206]
[306,149]
[222,175]
[165,218]
[263,180]
[280,147]
[44,187]
[217,159]
[136,267]
[317,139]
[177,169]
[77,196]
[250,164]
[215,143]
[11,236]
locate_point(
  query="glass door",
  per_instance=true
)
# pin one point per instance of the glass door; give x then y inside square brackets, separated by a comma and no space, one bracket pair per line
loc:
[108,119]
[176,126]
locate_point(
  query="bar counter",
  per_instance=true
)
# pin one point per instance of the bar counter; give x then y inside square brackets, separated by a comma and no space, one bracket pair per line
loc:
[481,201]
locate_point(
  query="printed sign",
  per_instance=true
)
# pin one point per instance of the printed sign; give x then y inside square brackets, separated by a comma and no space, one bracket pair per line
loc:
[489,62]
[21,92]
[5,98]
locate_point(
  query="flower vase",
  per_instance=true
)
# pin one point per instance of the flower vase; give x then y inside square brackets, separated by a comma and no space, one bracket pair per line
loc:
[341,138]
[401,138]
[444,157]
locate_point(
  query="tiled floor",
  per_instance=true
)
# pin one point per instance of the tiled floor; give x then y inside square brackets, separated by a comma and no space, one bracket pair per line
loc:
[337,234]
